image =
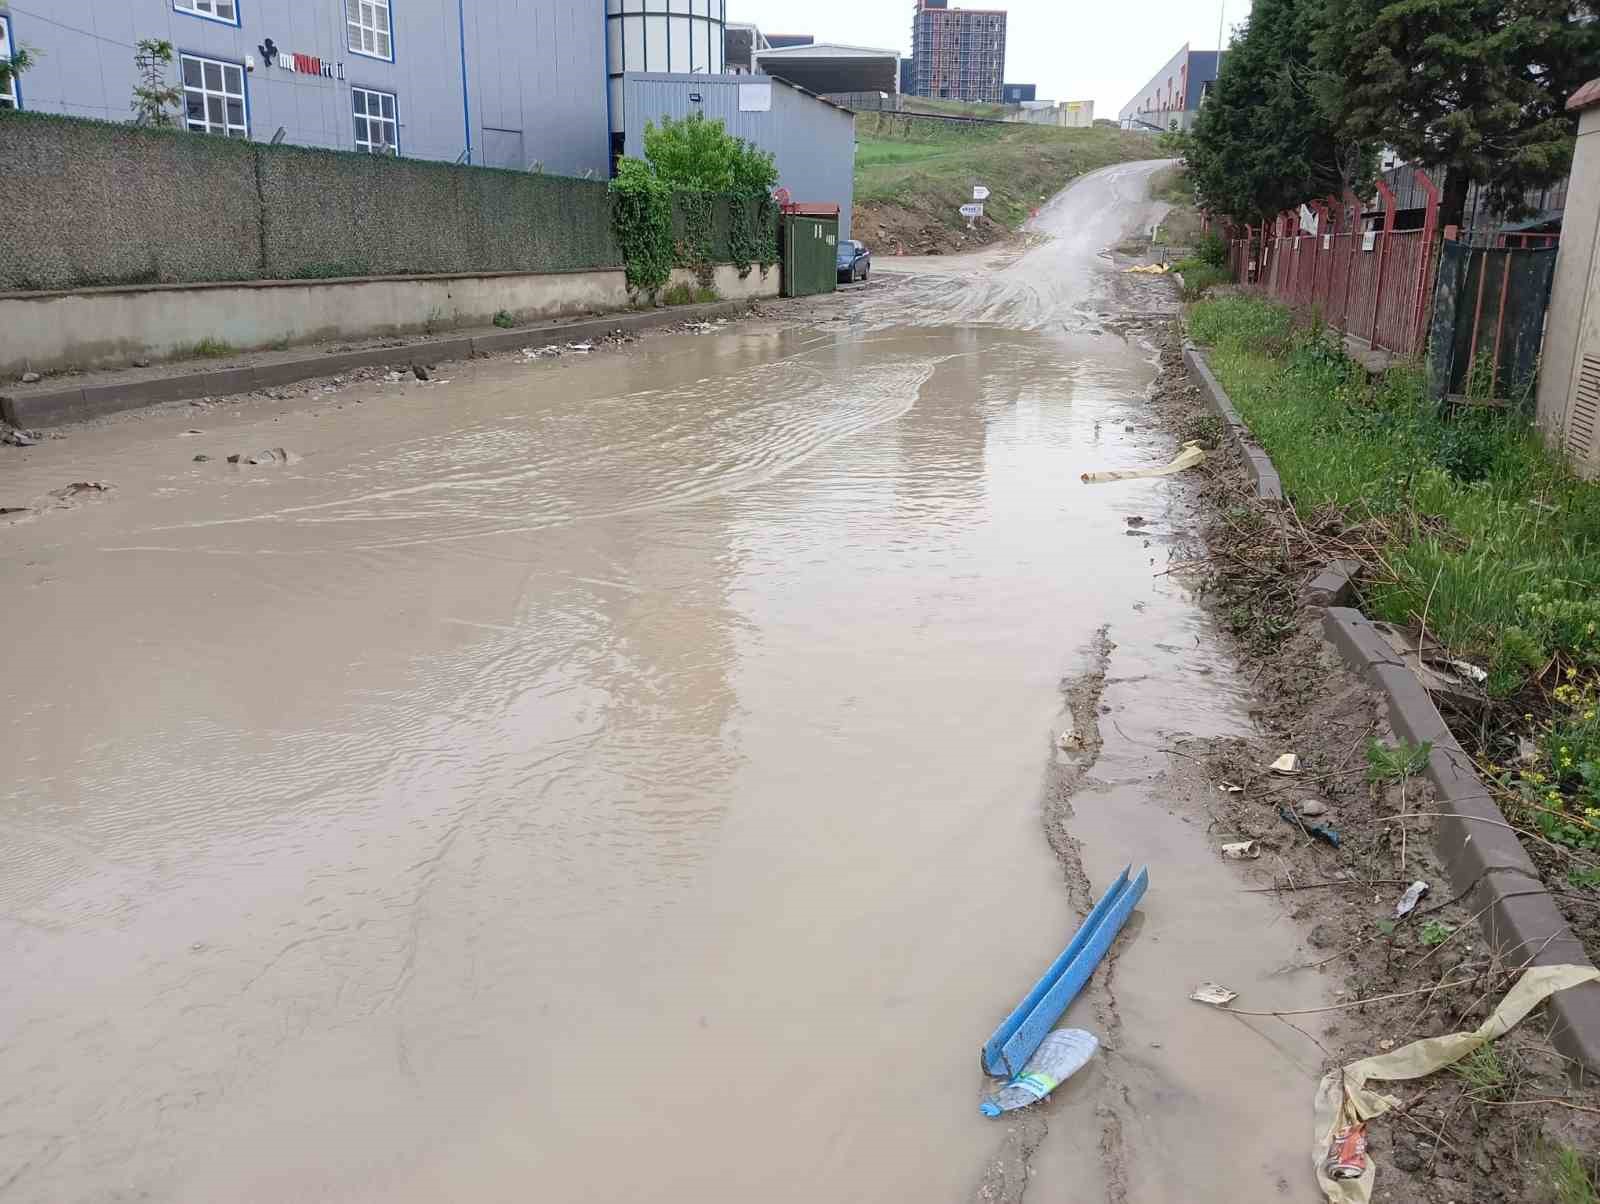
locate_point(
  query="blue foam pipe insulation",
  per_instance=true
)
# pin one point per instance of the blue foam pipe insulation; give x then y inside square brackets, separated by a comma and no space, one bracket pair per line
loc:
[1011,1045]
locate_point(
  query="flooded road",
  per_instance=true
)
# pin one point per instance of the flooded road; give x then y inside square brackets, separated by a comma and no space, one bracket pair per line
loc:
[620,777]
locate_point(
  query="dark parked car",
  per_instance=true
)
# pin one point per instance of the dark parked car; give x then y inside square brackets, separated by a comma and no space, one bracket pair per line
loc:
[854,261]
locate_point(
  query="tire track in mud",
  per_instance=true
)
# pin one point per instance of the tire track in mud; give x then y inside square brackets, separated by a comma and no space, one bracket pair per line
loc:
[1073,756]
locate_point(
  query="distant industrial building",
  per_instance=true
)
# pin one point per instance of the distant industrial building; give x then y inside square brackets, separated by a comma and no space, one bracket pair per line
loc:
[740,44]
[779,41]
[830,69]
[908,76]
[958,53]
[1174,96]
[1015,94]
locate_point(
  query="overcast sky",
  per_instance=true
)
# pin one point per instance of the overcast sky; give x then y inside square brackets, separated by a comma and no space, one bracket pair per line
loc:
[1073,49]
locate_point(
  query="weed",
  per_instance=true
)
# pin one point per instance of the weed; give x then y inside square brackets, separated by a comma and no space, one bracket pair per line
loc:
[504,320]
[689,294]
[1434,933]
[706,294]
[279,345]
[210,349]
[1388,763]
[1588,879]
[1200,277]
[1482,1070]
[1570,1180]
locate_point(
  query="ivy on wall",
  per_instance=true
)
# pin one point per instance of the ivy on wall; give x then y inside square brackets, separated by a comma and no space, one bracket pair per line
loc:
[641,214]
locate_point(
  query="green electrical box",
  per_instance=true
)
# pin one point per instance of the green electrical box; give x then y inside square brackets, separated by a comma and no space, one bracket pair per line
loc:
[810,247]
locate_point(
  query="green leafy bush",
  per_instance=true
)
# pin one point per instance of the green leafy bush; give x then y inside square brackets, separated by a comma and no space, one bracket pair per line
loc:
[1212,248]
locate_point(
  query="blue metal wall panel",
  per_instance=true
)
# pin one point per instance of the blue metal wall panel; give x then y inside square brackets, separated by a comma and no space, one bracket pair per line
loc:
[813,142]
[536,71]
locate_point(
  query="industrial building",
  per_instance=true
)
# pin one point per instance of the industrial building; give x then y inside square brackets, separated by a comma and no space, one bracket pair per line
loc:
[958,53]
[1174,94]
[559,86]
[491,82]
[1015,94]
[832,69]
[812,140]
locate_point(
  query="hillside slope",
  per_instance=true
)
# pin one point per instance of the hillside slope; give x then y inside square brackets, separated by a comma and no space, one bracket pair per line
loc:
[912,177]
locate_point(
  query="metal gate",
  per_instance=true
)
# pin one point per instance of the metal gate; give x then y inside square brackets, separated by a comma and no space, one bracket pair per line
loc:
[810,244]
[1488,322]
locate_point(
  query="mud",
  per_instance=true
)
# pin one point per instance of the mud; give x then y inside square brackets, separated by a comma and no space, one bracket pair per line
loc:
[1454,1140]
[653,750]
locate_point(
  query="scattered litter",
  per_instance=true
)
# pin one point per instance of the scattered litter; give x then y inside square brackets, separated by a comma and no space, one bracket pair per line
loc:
[698,327]
[394,378]
[190,433]
[1060,1056]
[31,378]
[1410,899]
[201,458]
[1213,993]
[1288,763]
[20,438]
[1347,1153]
[1468,670]
[1320,831]
[1311,808]
[1191,455]
[1343,1101]
[272,455]
[1242,850]
[1010,1048]
[79,488]
[13,510]
[1230,788]
[1135,520]
[1150,269]
[1527,750]
[581,348]
[419,372]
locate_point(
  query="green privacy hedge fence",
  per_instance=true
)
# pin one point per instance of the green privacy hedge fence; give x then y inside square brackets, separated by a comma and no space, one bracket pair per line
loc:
[92,203]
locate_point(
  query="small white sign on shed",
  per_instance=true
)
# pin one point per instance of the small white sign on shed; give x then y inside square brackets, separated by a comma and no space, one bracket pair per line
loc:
[755,98]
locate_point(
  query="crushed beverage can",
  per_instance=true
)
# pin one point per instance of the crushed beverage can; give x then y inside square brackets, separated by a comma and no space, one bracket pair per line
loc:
[1347,1153]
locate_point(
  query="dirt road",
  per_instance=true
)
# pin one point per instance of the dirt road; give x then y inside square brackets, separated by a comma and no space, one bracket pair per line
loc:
[633,776]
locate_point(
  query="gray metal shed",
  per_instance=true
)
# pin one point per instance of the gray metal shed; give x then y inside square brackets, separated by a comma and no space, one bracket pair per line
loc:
[812,140]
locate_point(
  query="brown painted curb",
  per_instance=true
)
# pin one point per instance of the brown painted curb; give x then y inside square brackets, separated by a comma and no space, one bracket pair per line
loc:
[1269,488]
[55,406]
[1482,855]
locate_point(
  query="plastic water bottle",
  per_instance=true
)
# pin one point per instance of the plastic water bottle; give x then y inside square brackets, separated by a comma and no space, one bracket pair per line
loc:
[1059,1056]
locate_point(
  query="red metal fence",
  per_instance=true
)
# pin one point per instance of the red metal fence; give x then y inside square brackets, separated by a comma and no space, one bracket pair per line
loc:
[1375,283]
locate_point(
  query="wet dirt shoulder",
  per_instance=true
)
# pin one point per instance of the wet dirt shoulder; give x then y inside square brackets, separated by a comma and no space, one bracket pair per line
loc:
[1341,840]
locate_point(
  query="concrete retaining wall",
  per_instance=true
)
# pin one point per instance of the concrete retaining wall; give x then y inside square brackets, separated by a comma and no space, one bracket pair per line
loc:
[99,328]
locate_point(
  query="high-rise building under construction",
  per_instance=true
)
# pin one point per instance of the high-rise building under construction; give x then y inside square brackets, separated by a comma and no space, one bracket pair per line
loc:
[958,53]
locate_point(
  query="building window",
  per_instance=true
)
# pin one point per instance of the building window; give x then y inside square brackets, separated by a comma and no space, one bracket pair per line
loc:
[213,97]
[10,95]
[226,11]
[377,125]
[371,28]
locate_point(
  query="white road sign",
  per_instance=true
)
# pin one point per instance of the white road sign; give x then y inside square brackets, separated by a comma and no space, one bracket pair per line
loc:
[980,193]
[971,211]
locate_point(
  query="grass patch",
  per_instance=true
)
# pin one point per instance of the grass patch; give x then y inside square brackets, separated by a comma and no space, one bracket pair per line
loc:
[931,166]
[1200,276]
[210,349]
[689,294]
[504,320]
[1571,1182]
[1477,533]
[1482,1071]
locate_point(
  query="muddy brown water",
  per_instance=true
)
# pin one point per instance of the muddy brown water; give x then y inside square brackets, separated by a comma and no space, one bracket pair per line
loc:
[619,777]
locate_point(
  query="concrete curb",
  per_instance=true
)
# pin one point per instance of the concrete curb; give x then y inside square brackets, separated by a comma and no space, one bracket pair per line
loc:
[1269,488]
[1482,855]
[54,406]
